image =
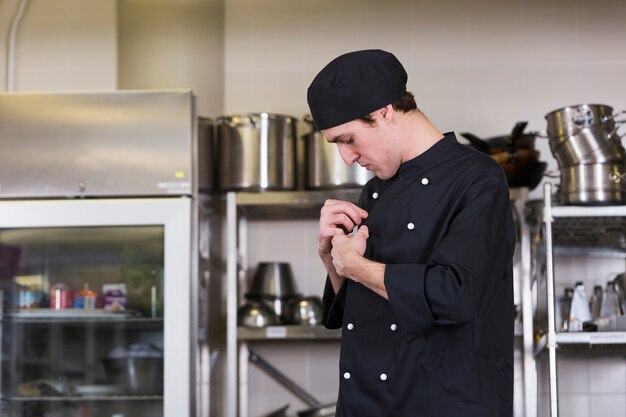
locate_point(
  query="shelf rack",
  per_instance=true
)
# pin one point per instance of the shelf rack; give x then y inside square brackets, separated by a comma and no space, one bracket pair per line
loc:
[241,206]
[592,230]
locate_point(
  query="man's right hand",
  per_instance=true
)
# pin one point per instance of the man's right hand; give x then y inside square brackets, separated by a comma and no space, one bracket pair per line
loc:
[336,217]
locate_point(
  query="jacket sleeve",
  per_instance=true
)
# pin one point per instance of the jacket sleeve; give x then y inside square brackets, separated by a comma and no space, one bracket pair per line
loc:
[468,268]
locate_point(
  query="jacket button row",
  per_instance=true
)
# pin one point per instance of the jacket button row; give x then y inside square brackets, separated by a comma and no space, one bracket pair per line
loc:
[383,377]
[350,326]
[424,181]
[375,196]
[393,327]
[346,375]
[410,226]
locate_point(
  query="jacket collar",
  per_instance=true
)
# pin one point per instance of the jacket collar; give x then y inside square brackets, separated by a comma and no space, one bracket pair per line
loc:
[433,155]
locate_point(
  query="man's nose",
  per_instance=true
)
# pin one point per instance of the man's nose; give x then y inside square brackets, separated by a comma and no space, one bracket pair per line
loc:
[348,155]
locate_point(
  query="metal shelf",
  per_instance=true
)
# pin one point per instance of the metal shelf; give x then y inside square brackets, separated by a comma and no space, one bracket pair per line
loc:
[291,332]
[84,398]
[289,204]
[579,341]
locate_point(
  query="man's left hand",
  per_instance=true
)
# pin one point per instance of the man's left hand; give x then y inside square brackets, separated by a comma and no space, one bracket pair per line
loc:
[348,250]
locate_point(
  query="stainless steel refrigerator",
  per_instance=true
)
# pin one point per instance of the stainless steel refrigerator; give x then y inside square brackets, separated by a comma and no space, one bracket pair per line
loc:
[108,269]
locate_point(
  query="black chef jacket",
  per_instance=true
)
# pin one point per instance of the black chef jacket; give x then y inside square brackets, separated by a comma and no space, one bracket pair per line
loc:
[442,345]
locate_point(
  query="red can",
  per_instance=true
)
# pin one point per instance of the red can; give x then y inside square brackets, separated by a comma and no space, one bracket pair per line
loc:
[60,296]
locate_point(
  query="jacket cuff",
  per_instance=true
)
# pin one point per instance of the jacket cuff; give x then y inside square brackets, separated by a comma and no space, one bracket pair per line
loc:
[333,305]
[405,285]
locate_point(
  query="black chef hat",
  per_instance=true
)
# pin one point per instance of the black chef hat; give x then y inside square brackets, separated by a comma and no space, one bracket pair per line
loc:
[354,85]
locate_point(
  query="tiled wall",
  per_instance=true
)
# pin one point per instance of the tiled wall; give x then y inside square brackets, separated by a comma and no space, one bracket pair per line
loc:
[474,65]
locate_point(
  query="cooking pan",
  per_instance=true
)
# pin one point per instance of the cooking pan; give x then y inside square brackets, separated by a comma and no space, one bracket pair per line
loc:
[316,409]
[500,143]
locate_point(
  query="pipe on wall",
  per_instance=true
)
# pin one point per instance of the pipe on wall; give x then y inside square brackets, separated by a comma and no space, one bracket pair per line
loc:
[12,41]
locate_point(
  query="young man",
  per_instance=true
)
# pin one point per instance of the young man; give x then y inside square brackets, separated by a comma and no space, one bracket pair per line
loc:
[420,274]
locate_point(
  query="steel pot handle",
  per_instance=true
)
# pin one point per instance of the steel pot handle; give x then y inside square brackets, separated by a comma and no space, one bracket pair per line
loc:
[552,174]
[618,123]
[617,178]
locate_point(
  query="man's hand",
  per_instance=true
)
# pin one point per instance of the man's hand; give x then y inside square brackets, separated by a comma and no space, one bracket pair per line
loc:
[347,250]
[336,218]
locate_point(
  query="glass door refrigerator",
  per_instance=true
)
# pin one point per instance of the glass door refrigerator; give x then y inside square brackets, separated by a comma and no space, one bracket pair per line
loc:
[103,266]
[95,317]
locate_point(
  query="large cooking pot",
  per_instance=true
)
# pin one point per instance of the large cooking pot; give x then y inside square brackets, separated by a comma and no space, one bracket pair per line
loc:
[584,134]
[256,152]
[325,169]
[206,154]
[593,184]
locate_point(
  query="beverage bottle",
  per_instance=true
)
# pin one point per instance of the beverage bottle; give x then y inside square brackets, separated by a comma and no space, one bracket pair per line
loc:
[85,298]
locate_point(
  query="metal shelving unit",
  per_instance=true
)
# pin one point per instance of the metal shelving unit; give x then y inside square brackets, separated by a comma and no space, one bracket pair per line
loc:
[242,207]
[586,230]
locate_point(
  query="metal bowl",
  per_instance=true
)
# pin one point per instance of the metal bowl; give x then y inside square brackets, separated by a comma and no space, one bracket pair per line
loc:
[256,314]
[304,310]
[272,280]
[141,376]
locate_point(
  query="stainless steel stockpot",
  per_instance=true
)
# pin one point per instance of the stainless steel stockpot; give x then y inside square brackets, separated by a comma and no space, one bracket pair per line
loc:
[256,152]
[206,154]
[584,134]
[593,184]
[325,169]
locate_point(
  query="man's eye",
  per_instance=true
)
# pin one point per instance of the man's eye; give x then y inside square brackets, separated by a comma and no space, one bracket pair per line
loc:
[349,141]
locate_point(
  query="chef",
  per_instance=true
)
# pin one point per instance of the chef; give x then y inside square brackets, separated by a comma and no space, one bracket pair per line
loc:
[420,275]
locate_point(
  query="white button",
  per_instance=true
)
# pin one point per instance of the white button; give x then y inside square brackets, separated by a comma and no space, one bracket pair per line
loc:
[410,226]
[394,327]
[383,377]
[424,181]
[346,375]
[350,326]
[375,196]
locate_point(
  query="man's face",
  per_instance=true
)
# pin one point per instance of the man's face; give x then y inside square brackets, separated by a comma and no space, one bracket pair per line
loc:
[369,145]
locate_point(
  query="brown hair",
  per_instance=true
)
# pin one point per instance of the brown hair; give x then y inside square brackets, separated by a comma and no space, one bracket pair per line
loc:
[405,104]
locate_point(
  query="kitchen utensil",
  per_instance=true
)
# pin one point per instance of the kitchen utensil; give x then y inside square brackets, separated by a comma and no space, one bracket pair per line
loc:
[523,173]
[610,305]
[256,314]
[274,280]
[256,152]
[325,169]
[140,376]
[570,120]
[579,311]
[317,409]
[516,154]
[584,134]
[304,310]
[499,143]
[516,133]
[593,184]
[620,286]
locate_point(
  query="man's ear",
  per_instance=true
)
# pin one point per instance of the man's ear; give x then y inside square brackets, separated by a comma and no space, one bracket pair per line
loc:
[386,113]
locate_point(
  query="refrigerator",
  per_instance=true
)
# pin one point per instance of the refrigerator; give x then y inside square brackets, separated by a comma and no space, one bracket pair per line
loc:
[109,247]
